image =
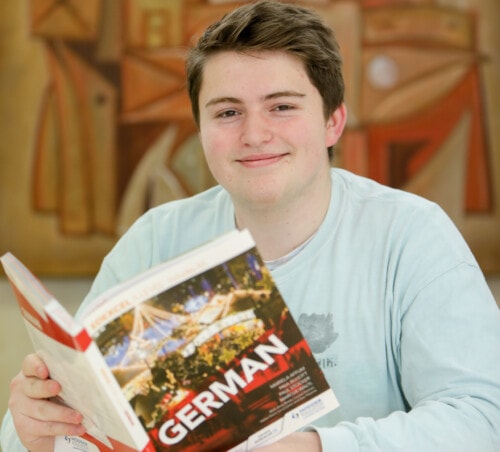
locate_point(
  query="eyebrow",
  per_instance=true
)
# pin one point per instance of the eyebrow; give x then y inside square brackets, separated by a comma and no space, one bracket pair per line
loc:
[235,100]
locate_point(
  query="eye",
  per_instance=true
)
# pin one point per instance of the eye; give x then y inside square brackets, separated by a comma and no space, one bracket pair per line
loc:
[227,114]
[283,107]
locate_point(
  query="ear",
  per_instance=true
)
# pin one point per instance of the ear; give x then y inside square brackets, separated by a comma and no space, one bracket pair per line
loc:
[335,125]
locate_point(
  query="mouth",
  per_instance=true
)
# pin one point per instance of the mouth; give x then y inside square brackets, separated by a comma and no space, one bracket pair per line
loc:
[254,161]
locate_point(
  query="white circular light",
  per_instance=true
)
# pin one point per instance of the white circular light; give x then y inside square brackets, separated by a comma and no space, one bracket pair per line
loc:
[383,72]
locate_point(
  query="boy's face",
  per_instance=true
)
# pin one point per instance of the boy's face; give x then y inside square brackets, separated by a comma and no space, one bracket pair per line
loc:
[263,129]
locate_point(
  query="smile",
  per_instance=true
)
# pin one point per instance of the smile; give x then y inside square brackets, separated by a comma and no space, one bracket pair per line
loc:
[261,160]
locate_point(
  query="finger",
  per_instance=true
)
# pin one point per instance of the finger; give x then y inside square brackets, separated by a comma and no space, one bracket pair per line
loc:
[33,387]
[33,398]
[39,428]
[41,389]
[38,420]
[51,412]
[33,366]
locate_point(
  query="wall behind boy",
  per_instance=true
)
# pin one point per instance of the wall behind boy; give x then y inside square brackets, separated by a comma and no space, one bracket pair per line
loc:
[96,125]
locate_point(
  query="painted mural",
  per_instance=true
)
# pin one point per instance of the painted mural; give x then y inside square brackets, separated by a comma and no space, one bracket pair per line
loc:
[108,130]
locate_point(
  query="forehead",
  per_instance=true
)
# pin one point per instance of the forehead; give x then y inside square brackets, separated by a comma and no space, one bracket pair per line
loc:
[256,71]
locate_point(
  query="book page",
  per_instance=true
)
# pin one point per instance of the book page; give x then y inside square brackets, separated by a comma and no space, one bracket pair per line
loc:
[67,367]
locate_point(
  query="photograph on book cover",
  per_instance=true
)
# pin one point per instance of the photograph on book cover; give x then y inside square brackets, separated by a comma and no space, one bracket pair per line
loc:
[207,360]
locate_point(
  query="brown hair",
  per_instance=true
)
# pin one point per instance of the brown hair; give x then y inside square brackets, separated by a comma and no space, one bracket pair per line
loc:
[269,25]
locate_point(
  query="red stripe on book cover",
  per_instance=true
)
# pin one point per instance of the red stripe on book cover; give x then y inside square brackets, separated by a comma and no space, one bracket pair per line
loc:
[80,341]
[118,446]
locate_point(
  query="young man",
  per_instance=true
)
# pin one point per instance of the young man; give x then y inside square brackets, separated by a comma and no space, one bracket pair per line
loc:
[383,286]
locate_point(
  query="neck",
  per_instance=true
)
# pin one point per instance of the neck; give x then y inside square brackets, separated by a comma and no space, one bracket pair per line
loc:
[278,231]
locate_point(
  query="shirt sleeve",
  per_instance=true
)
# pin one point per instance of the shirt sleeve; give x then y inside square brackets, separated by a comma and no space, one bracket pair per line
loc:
[8,436]
[133,253]
[449,352]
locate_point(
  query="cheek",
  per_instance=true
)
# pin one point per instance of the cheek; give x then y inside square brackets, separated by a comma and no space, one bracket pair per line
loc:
[308,137]
[210,146]
[216,149]
[213,142]
[307,131]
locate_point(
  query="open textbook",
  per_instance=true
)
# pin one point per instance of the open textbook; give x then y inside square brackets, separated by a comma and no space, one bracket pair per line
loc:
[196,354]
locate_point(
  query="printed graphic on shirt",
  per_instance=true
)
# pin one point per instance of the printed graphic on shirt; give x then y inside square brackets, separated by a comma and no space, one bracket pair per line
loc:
[327,363]
[318,330]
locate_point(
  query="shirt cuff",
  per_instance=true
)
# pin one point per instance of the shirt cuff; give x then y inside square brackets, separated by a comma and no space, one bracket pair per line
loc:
[339,438]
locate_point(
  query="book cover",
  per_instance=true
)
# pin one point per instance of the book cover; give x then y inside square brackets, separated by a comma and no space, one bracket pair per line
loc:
[206,353]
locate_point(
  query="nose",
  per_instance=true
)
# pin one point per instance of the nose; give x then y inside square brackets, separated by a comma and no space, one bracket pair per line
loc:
[256,130]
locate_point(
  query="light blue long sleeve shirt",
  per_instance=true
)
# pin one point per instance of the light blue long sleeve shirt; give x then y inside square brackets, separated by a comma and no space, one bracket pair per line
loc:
[391,300]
